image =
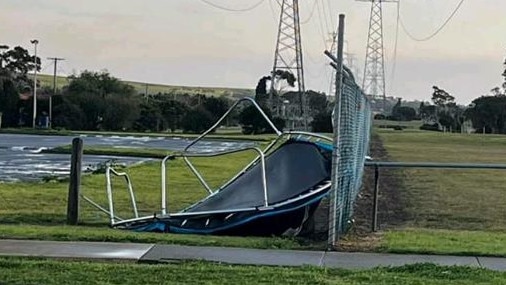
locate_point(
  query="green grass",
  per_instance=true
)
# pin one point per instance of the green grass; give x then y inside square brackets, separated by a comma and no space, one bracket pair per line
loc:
[37,210]
[61,81]
[453,242]
[413,125]
[105,234]
[40,271]
[449,211]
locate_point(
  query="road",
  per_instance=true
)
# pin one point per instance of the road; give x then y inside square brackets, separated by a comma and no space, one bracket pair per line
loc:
[21,158]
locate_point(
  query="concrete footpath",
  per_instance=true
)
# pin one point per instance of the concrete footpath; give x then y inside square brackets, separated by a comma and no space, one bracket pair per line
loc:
[171,253]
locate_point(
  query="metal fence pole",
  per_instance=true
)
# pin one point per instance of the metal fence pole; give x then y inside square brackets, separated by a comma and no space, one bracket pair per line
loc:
[333,207]
[375,201]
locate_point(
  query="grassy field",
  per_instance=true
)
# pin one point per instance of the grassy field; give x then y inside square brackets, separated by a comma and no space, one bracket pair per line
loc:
[39,271]
[37,210]
[140,87]
[448,211]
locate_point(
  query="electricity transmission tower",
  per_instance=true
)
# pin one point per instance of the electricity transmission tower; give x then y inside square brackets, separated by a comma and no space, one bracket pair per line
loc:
[288,56]
[373,82]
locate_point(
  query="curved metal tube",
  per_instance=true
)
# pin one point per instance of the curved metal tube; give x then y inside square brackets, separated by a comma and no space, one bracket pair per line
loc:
[268,147]
[108,172]
[186,155]
[278,132]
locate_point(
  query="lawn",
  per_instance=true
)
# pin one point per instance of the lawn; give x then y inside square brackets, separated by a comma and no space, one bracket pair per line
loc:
[448,211]
[40,271]
[38,210]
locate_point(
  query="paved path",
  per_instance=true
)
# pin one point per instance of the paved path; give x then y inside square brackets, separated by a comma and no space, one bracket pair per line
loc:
[170,253]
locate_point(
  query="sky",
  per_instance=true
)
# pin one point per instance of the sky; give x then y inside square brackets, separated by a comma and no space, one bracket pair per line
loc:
[188,42]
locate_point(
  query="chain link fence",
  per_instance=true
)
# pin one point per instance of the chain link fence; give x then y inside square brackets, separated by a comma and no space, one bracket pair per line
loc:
[353,135]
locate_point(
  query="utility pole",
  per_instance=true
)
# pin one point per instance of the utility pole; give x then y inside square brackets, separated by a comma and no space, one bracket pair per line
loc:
[288,55]
[34,119]
[373,83]
[55,60]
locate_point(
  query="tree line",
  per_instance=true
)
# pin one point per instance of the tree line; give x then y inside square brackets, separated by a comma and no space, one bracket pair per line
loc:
[97,101]
[486,113]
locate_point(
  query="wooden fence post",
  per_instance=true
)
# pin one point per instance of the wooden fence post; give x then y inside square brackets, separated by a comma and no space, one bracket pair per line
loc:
[75,181]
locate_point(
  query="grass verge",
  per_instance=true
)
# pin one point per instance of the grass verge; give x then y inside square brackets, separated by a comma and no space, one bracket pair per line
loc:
[40,271]
[448,211]
[453,242]
[105,234]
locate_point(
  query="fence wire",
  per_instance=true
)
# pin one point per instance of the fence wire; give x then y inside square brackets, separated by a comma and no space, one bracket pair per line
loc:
[352,147]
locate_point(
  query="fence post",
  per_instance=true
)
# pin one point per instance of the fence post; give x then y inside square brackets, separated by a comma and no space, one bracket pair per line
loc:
[75,181]
[333,235]
[375,200]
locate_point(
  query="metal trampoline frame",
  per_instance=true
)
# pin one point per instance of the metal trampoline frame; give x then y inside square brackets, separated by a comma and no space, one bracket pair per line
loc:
[186,154]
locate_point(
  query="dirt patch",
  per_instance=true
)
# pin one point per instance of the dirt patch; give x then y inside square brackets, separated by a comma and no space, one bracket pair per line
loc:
[391,207]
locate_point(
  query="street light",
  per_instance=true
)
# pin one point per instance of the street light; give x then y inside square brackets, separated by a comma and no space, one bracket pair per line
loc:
[35,43]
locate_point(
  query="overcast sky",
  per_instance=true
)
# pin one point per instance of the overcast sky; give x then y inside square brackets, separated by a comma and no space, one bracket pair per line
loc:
[187,42]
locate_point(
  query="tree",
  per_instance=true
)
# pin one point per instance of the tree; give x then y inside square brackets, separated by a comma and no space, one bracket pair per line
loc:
[120,113]
[504,75]
[402,113]
[15,65]
[317,102]
[150,118]
[447,113]
[261,94]
[322,123]
[104,103]
[440,97]
[488,113]
[428,113]
[216,106]
[285,75]
[174,113]
[197,120]
[99,83]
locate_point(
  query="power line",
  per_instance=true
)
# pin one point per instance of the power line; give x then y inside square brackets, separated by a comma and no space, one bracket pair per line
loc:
[394,59]
[273,12]
[310,14]
[232,9]
[322,7]
[331,13]
[457,8]
[323,32]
